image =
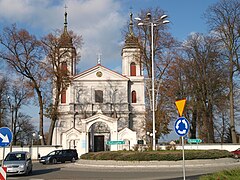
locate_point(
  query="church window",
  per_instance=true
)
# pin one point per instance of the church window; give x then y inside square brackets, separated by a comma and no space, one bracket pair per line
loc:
[98,96]
[134,97]
[64,68]
[133,69]
[63,96]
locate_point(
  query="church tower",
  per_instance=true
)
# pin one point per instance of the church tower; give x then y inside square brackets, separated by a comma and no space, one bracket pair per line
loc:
[132,69]
[67,51]
[66,59]
[131,65]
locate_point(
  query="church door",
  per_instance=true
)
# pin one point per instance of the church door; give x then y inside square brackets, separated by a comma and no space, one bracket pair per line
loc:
[98,143]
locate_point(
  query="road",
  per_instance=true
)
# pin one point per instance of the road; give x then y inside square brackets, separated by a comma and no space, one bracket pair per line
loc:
[75,171]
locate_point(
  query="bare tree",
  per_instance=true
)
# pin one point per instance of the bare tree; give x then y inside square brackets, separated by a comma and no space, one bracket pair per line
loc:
[59,49]
[3,102]
[18,95]
[224,20]
[24,129]
[23,54]
[198,73]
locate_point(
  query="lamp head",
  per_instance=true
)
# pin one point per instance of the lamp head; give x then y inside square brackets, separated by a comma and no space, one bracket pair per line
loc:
[137,18]
[149,14]
[164,16]
[166,21]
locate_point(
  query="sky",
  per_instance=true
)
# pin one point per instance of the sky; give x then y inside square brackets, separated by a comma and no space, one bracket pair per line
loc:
[100,22]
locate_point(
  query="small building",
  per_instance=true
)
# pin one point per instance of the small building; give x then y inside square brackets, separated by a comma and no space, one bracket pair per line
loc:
[101,105]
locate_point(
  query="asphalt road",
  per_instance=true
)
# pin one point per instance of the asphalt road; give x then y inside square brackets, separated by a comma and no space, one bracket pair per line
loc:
[83,172]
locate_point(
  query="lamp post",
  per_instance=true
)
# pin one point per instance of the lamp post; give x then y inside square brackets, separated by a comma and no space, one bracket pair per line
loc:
[11,109]
[150,22]
[33,136]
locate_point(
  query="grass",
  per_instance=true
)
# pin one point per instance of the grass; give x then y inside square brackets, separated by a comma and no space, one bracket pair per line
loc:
[233,174]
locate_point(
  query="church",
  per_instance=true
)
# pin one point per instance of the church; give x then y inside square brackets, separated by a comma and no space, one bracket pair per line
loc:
[102,110]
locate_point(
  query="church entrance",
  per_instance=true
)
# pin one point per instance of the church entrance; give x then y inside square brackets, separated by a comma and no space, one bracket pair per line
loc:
[99,134]
[98,143]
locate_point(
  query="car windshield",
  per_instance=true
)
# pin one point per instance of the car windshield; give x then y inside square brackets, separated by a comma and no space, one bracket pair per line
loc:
[54,153]
[15,157]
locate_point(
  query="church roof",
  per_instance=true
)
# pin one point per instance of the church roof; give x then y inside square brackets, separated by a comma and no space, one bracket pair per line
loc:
[131,41]
[65,39]
[105,74]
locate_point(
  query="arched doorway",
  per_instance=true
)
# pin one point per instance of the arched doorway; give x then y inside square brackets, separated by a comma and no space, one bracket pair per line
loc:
[99,134]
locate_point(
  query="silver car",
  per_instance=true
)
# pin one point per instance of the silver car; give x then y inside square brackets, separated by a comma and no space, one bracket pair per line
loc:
[18,162]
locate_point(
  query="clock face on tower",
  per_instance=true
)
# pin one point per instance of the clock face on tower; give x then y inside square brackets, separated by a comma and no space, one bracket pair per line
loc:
[99,74]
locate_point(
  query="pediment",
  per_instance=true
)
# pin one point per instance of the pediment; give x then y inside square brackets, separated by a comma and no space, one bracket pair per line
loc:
[99,73]
[101,117]
[127,133]
[72,131]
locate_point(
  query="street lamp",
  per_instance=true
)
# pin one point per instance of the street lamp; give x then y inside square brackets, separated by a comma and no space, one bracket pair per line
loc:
[150,22]
[11,109]
[33,136]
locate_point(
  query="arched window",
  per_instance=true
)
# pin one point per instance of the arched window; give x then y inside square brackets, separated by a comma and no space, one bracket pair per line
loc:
[63,96]
[132,69]
[64,68]
[134,97]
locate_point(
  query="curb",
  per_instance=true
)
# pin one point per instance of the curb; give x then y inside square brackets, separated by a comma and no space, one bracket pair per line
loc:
[156,164]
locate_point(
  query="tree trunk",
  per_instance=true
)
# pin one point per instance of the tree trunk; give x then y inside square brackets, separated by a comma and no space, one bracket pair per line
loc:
[40,102]
[231,98]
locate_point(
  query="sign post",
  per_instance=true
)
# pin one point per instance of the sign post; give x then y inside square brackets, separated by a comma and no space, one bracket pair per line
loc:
[181,128]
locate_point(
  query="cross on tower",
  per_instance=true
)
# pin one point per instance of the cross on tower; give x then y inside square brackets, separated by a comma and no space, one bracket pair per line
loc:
[65,7]
[99,58]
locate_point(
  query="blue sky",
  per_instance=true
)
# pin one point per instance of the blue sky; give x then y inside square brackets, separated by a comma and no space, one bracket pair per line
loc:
[100,22]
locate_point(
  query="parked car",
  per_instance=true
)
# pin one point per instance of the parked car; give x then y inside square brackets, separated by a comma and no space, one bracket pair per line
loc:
[236,153]
[18,162]
[60,156]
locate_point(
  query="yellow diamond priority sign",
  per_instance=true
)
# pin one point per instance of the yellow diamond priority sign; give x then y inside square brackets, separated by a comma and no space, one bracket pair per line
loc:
[180,106]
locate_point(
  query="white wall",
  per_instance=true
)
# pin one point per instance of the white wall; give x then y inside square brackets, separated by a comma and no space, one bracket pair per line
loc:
[228,147]
[42,150]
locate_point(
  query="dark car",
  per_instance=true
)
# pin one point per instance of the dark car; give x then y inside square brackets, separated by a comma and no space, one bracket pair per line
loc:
[60,156]
[18,162]
[236,153]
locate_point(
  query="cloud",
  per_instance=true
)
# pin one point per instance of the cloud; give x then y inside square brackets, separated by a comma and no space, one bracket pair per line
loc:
[99,23]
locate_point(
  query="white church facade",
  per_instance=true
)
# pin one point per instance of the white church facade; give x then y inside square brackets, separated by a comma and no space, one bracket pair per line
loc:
[101,108]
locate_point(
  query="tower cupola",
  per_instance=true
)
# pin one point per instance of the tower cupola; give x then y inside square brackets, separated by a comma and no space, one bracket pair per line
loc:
[65,39]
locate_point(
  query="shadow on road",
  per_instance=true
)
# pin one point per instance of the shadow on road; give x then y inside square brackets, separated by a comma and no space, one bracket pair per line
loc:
[39,172]
[44,171]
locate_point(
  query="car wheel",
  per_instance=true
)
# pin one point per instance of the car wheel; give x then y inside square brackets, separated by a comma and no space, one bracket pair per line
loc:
[54,161]
[236,156]
[73,160]
[30,172]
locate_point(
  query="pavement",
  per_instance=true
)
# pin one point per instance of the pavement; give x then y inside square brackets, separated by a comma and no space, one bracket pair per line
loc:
[157,164]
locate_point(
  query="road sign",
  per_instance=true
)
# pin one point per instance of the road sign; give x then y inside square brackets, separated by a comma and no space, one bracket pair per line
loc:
[181,126]
[5,136]
[115,142]
[180,106]
[194,141]
[3,173]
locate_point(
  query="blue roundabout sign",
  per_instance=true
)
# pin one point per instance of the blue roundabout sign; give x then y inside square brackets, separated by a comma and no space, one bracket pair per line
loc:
[181,126]
[5,136]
